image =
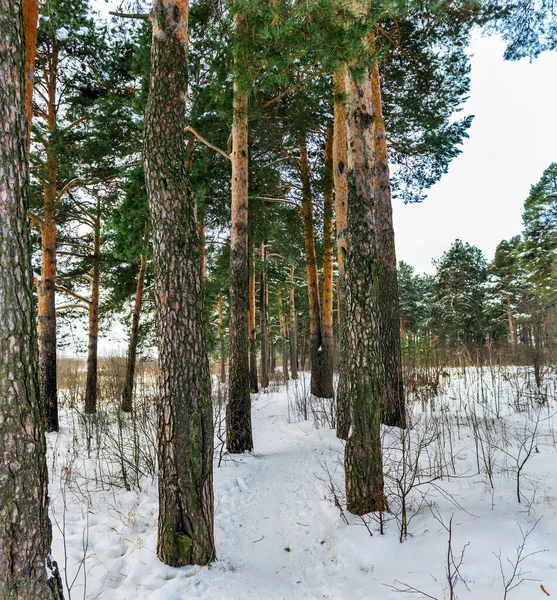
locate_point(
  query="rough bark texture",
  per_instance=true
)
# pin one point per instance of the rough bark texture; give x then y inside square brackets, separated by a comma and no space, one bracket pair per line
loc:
[394,412]
[253,380]
[327,339]
[27,571]
[340,171]
[264,375]
[92,347]
[321,386]
[362,365]
[127,394]
[30,20]
[293,328]
[185,428]
[201,233]
[46,287]
[238,412]
[282,324]
[222,342]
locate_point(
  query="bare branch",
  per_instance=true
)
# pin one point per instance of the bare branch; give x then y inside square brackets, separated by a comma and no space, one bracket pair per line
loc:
[207,143]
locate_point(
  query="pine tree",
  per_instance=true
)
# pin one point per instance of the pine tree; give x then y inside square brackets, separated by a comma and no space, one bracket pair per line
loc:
[362,368]
[185,433]
[458,295]
[539,259]
[26,566]
[414,293]
[506,288]
[238,411]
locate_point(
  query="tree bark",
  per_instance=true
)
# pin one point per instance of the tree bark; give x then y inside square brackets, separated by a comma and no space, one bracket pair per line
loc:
[46,287]
[26,567]
[127,395]
[238,413]
[253,382]
[272,356]
[264,375]
[327,339]
[393,412]
[512,330]
[320,384]
[92,348]
[340,171]
[185,424]
[284,352]
[362,364]
[222,343]
[293,328]
[30,20]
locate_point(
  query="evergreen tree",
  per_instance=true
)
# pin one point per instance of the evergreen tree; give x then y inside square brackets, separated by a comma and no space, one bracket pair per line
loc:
[458,295]
[185,433]
[539,259]
[505,290]
[26,566]
[414,291]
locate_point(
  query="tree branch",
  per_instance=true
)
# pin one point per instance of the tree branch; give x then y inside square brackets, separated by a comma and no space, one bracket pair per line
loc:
[65,290]
[72,306]
[142,16]
[207,143]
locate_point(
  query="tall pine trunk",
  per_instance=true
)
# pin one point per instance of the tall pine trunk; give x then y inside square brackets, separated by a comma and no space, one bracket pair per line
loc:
[362,364]
[47,284]
[127,394]
[222,342]
[340,172]
[264,374]
[282,324]
[321,383]
[92,348]
[30,21]
[510,320]
[394,412]
[327,339]
[293,328]
[238,413]
[253,380]
[26,567]
[185,424]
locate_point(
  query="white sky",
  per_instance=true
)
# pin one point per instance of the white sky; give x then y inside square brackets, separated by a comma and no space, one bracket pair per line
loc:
[513,138]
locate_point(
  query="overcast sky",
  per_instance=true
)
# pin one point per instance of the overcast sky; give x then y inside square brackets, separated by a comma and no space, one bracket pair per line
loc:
[513,138]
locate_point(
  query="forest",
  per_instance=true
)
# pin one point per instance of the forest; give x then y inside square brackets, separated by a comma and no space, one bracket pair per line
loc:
[298,413]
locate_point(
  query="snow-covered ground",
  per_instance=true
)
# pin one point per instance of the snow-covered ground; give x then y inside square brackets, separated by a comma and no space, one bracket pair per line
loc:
[278,532]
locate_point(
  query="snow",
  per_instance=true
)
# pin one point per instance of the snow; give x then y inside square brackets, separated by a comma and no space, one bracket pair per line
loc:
[62,34]
[278,532]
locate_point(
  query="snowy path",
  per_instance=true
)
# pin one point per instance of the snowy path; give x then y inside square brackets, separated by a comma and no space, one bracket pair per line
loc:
[276,502]
[279,537]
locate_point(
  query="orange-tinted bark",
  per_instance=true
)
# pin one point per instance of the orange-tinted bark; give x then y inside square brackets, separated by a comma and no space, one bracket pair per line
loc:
[238,416]
[327,321]
[254,385]
[30,20]
[264,370]
[293,328]
[311,267]
[340,170]
[282,324]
